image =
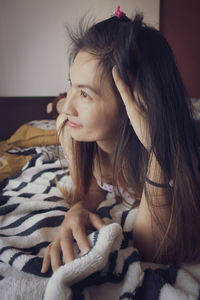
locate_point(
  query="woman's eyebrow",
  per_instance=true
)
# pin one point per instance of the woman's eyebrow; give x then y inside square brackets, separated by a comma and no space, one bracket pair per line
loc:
[97,92]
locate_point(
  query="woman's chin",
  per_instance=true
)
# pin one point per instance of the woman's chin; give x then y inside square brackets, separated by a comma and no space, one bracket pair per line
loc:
[80,137]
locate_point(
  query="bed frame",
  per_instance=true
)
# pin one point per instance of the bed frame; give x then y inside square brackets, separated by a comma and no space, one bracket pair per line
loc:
[15,111]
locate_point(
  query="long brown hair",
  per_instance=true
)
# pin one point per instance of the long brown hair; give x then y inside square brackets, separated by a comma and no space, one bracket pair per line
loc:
[144,53]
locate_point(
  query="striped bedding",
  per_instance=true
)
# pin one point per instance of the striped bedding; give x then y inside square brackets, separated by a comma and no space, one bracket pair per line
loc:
[32,209]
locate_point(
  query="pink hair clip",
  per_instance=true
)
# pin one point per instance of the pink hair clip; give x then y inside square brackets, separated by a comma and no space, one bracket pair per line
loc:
[119,13]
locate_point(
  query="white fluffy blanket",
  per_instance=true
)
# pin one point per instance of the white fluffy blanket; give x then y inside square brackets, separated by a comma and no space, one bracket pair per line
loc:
[32,209]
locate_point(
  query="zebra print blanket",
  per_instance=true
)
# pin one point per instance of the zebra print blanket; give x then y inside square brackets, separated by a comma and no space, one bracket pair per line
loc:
[31,211]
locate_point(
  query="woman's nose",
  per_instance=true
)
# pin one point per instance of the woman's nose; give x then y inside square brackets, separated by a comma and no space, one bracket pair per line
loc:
[69,108]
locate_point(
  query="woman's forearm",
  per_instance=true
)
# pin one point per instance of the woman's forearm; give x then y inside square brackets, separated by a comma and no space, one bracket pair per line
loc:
[146,232]
[93,199]
[94,196]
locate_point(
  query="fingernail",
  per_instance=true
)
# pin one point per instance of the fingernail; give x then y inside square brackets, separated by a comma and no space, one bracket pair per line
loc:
[84,251]
[115,72]
[42,270]
[114,69]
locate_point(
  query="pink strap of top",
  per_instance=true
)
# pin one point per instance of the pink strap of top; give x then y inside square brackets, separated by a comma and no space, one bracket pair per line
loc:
[128,195]
[106,187]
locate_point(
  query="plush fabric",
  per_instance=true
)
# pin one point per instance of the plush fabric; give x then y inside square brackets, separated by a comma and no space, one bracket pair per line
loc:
[32,209]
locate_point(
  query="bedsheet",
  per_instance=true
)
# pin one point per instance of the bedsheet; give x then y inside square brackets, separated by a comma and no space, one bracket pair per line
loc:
[32,209]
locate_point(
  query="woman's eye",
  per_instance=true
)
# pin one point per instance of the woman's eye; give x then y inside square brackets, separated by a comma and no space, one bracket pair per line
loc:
[84,94]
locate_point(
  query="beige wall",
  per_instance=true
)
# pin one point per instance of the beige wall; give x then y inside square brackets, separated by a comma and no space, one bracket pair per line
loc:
[33,44]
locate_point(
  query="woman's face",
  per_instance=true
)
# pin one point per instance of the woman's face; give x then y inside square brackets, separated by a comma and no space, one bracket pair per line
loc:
[91,106]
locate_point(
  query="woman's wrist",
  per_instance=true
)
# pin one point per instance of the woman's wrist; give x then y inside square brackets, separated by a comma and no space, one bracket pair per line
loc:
[91,202]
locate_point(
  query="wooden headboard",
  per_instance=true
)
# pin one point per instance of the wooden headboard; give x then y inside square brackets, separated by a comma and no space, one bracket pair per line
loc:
[15,111]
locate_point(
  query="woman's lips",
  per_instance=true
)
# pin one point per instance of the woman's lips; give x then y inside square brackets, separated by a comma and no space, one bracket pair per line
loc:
[72,124]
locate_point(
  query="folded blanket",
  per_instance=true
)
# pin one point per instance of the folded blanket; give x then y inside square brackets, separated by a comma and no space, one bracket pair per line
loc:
[25,136]
[31,212]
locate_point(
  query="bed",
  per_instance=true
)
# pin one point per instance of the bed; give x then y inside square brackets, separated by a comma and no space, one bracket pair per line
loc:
[32,209]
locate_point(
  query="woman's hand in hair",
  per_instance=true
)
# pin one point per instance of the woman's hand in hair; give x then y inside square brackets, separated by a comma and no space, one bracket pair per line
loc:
[135,114]
[77,219]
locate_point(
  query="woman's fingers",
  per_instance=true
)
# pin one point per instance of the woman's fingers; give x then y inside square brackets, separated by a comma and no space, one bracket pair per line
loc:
[51,257]
[80,234]
[46,261]
[124,91]
[128,98]
[135,113]
[81,239]
[55,255]
[67,245]
[52,253]
[96,221]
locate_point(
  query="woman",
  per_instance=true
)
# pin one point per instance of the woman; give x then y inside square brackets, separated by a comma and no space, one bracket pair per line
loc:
[127,126]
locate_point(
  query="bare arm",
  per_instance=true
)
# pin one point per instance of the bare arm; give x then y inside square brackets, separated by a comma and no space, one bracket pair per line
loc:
[146,232]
